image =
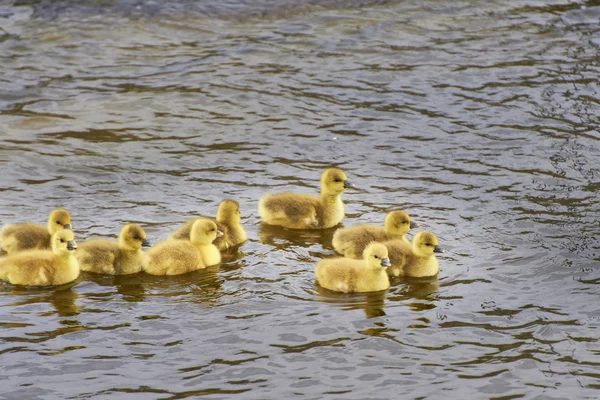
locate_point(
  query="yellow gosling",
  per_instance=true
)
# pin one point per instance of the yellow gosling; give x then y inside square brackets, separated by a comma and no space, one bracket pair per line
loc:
[228,221]
[175,257]
[416,261]
[348,275]
[114,257]
[351,242]
[300,211]
[43,267]
[26,236]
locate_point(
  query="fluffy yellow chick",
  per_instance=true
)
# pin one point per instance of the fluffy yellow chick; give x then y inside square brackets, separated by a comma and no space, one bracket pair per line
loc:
[175,257]
[27,236]
[348,275]
[43,267]
[351,242]
[113,257]
[228,221]
[300,211]
[417,260]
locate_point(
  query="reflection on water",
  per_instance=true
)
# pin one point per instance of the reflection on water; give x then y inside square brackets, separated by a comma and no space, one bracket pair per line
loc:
[478,118]
[372,304]
[283,238]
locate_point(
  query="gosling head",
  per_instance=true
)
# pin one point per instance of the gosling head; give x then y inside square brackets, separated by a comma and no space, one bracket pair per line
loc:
[334,181]
[59,219]
[425,244]
[132,237]
[376,256]
[204,231]
[397,223]
[229,211]
[63,242]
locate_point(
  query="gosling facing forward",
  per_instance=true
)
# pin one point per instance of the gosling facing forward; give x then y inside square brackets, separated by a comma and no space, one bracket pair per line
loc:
[300,211]
[351,242]
[175,257]
[43,267]
[348,275]
[28,236]
[228,221]
[416,261]
[114,257]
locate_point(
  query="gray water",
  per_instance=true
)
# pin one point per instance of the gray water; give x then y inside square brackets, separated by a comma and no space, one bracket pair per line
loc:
[479,118]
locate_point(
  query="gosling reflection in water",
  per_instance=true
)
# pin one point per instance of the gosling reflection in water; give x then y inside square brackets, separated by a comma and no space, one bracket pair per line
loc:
[130,287]
[405,289]
[201,286]
[372,303]
[282,238]
[62,298]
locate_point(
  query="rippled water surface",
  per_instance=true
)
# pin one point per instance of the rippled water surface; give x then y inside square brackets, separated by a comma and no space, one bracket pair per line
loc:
[479,118]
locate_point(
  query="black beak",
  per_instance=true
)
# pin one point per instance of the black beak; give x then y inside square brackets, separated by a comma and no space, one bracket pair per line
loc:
[385,262]
[67,226]
[414,225]
[438,249]
[71,245]
[146,243]
[348,184]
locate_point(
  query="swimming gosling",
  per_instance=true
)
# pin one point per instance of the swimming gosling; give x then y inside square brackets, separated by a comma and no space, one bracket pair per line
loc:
[351,242]
[348,275]
[175,257]
[301,211]
[417,261]
[43,267]
[228,221]
[114,257]
[27,236]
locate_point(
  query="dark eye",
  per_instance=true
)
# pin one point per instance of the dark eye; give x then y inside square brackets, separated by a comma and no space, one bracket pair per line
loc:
[212,230]
[376,256]
[62,240]
[405,222]
[337,180]
[58,222]
[136,237]
[428,244]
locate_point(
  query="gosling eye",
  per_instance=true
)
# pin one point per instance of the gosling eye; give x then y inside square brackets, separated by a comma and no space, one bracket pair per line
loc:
[376,256]
[337,180]
[428,244]
[136,237]
[62,240]
[58,222]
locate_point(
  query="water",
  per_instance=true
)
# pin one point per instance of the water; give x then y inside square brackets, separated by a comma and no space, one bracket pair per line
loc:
[479,118]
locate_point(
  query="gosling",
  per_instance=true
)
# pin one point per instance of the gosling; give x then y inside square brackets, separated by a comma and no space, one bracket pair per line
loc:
[28,236]
[300,211]
[418,260]
[175,257]
[113,257]
[43,267]
[348,275]
[351,242]
[228,221]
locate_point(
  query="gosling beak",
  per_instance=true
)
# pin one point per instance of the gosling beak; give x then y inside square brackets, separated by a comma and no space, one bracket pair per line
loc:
[71,245]
[348,184]
[385,262]
[146,243]
[414,225]
[438,249]
[67,226]
[219,233]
